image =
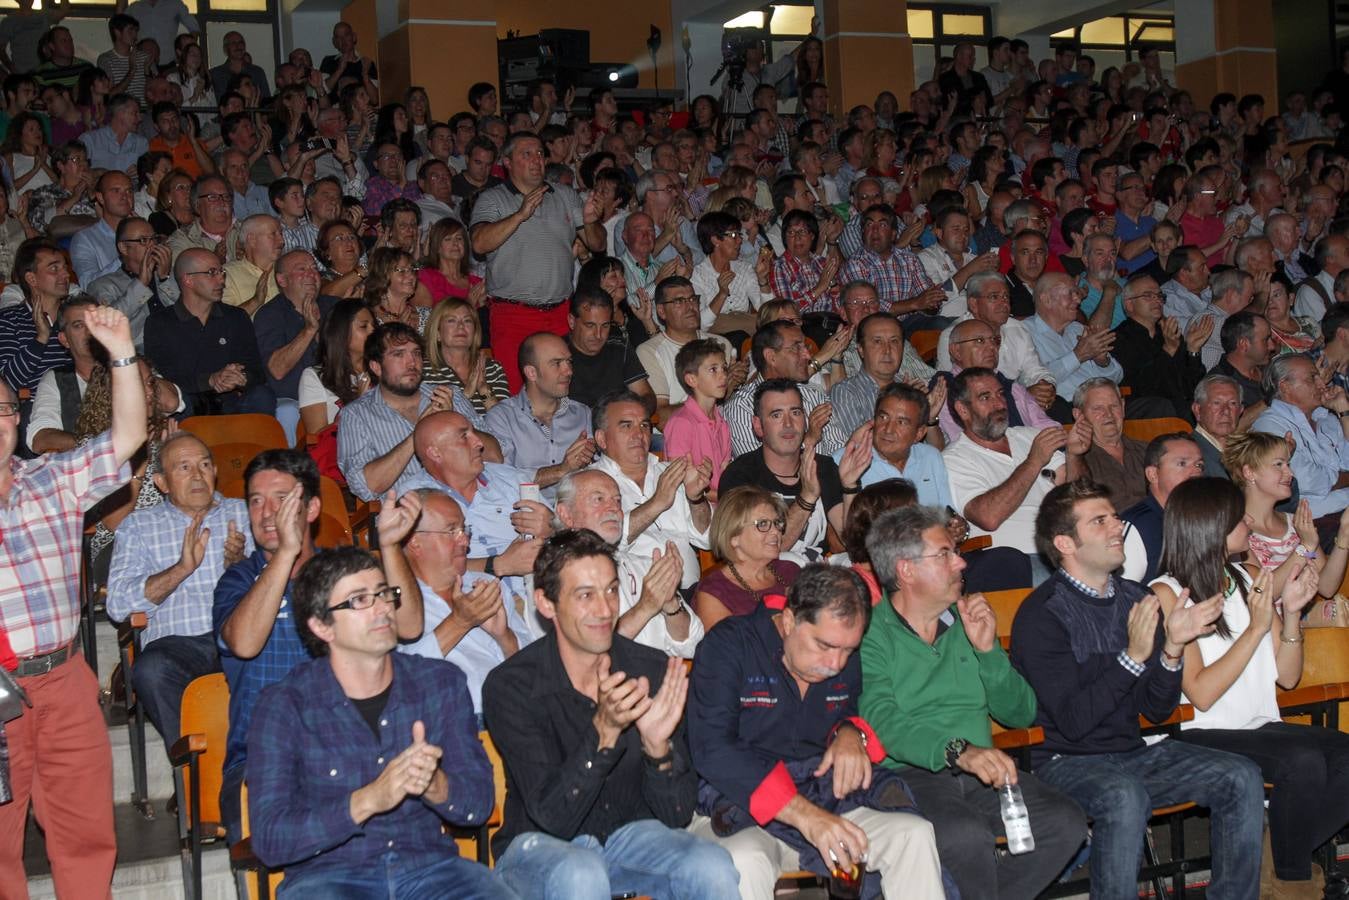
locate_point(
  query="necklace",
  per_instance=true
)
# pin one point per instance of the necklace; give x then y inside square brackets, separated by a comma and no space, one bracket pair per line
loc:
[735,574]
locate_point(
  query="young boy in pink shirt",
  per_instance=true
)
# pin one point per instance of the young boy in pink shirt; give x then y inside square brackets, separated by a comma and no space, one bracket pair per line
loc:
[697,428]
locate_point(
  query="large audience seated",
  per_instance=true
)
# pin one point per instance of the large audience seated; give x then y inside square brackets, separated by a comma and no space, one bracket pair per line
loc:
[684,442]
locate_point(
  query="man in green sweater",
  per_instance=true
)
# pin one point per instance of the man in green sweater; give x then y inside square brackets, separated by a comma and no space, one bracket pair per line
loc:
[933,673]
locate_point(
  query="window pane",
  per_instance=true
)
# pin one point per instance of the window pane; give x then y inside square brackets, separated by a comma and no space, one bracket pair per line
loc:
[962,24]
[1067,34]
[792,19]
[1109,30]
[239,5]
[1156,32]
[920,24]
[748,20]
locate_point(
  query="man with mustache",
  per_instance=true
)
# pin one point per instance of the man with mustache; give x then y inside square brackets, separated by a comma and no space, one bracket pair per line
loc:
[1022,464]
[651,612]
[932,709]
[790,767]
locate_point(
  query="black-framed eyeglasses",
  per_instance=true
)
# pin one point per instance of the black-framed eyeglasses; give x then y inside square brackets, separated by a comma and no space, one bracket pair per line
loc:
[8,408]
[681,301]
[764,524]
[393,595]
[981,340]
[453,532]
[143,241]
[731,235]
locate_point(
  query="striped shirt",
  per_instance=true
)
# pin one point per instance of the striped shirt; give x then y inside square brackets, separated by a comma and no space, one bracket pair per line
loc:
[23,361]
[151,540]
[41,526]
[854,401]
[739,414]
[371,427]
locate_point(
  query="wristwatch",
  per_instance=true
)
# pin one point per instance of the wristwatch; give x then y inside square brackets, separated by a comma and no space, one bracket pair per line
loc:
[955,747]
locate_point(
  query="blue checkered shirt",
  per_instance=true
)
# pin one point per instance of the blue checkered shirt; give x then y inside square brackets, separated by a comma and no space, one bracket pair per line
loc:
[897,276]
[151,540]
[247,677]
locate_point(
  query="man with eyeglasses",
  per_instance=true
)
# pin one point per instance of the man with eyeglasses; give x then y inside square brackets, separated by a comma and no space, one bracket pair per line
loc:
[935,675]
[865,193]
[857,300]
[1026,215]
[59,748]
[390,180]
[215,228]
[467,619]
[207,348]
[677,309]
[252,615]
[1133,226]
[880,347]
[599,364]
[436,200]
[975,345]
[1201,224]
[360,757]
[526,229]
[144,280]
[1159,359]
[989,298]
[660,198]
[93,250]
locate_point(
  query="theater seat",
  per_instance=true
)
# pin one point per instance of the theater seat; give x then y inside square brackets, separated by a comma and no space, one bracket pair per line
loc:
[198,759]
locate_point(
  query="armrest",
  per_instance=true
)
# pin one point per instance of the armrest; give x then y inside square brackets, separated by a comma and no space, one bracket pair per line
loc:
[186,748]
[1184,712]
[1019,737]
[982,542]
[1307,695]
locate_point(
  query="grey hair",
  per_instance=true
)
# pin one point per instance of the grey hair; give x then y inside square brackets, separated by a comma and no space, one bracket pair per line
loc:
[1248,247]
[1208,382]
[1226,281]
[898,534]
[646,183]
[1017,211]
[250,226]
[1091,384]
[1276,370]
[979,282]
[564,492]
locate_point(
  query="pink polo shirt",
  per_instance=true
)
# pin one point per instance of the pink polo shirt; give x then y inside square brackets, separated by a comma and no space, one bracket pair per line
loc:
[689,431]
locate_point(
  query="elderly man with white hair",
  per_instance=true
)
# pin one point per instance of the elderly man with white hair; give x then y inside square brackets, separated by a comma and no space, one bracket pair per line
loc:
[990,301]
[650,609]
[249,280]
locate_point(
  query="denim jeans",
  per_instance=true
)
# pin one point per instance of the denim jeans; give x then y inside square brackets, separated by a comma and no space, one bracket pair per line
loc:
[450,878]
[163,671]
[642,857]
[1118,791]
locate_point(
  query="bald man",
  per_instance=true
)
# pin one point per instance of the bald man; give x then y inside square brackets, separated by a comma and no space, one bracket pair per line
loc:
[973,346]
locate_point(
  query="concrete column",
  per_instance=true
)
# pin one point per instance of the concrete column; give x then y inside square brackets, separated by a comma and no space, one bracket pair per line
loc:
[444,46]
[867,49]
[1227,45]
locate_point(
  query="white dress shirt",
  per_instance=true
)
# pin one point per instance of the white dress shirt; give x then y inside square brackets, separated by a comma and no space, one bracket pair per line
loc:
[1017,357]
[675,524]
[744,294]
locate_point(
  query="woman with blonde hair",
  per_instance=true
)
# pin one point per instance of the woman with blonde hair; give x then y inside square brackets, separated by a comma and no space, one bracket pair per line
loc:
[173,203]
[746,536]
[1258,464]
[454,356]
[444,270]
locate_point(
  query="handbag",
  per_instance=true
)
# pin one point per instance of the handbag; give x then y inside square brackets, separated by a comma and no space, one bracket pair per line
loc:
[1332,613]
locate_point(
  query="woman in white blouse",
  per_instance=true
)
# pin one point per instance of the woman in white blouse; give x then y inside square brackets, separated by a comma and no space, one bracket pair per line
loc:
[340,375]
[1230,674]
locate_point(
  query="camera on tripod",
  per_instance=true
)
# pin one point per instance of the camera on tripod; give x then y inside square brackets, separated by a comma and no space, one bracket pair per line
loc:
[735,43]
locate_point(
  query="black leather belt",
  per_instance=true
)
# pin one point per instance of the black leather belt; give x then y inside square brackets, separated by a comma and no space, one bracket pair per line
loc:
[41,665]
[539,306]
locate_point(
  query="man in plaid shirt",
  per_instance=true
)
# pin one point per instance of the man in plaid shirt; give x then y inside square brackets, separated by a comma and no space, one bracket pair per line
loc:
[897,273]
[42,507]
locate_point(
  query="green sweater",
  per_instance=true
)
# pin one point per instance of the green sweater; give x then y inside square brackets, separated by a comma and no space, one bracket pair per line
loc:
[917,696]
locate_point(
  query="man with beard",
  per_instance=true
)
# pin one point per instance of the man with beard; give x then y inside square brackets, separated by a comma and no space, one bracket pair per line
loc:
[974,345]
[374,444]
[650,610]
[1022,465]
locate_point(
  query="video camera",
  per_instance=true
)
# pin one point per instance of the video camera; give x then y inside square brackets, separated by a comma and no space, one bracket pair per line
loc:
[735,42]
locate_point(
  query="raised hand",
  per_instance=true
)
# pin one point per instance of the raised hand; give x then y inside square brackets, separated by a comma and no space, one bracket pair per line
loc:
[1304,525]
[856,457]
[478,604]
[657,724]
[397,516]
[1260,601]
[234,543]
[110,328]
[661,583]
[581,453]
[818,418]
[195,539]
[981,623]
[408,774]
[533,200]
[532,518]
[1185,623]
[1079,439]
[670,480]
[1299,590]
[697,478]
[290,522]
[1143,628]
[1046,442]
[620,701]
[518,557]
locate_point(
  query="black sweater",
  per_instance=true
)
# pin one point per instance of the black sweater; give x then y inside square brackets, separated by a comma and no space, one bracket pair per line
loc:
[1067,645]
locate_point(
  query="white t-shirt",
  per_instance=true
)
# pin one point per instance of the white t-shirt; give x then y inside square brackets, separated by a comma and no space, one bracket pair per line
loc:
[974,470]
[1250,702]
[657,355]
[312,391]
[744,294]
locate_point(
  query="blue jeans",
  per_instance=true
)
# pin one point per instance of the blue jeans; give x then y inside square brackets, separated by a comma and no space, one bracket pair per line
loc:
[163,671]
[642,857]
[1118,791]
[450,878]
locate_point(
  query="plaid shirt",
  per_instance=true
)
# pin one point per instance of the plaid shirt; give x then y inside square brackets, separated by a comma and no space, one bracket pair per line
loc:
[795,280]
[247,677]
[41,526]
[309,748]
[150,541]
[897,276]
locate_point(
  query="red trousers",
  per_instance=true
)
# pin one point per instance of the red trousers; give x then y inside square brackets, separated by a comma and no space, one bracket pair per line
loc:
[61,759]
[512,323]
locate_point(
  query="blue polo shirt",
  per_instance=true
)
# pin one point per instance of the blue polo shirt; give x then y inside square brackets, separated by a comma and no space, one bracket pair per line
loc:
[925,470]
[1127,230]
[247,677]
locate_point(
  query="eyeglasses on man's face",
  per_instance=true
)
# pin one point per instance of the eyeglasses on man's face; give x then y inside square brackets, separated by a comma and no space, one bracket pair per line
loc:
[358,602]
[452,532]
[982,340]
[680,301]
[213,272]
[8,409]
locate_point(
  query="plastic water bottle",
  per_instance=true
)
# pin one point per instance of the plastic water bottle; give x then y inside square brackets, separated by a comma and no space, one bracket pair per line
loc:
[1015,820]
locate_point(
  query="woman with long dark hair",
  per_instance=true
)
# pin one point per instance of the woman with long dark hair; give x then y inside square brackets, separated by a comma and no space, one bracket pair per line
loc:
[339,376]
[1230,674]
